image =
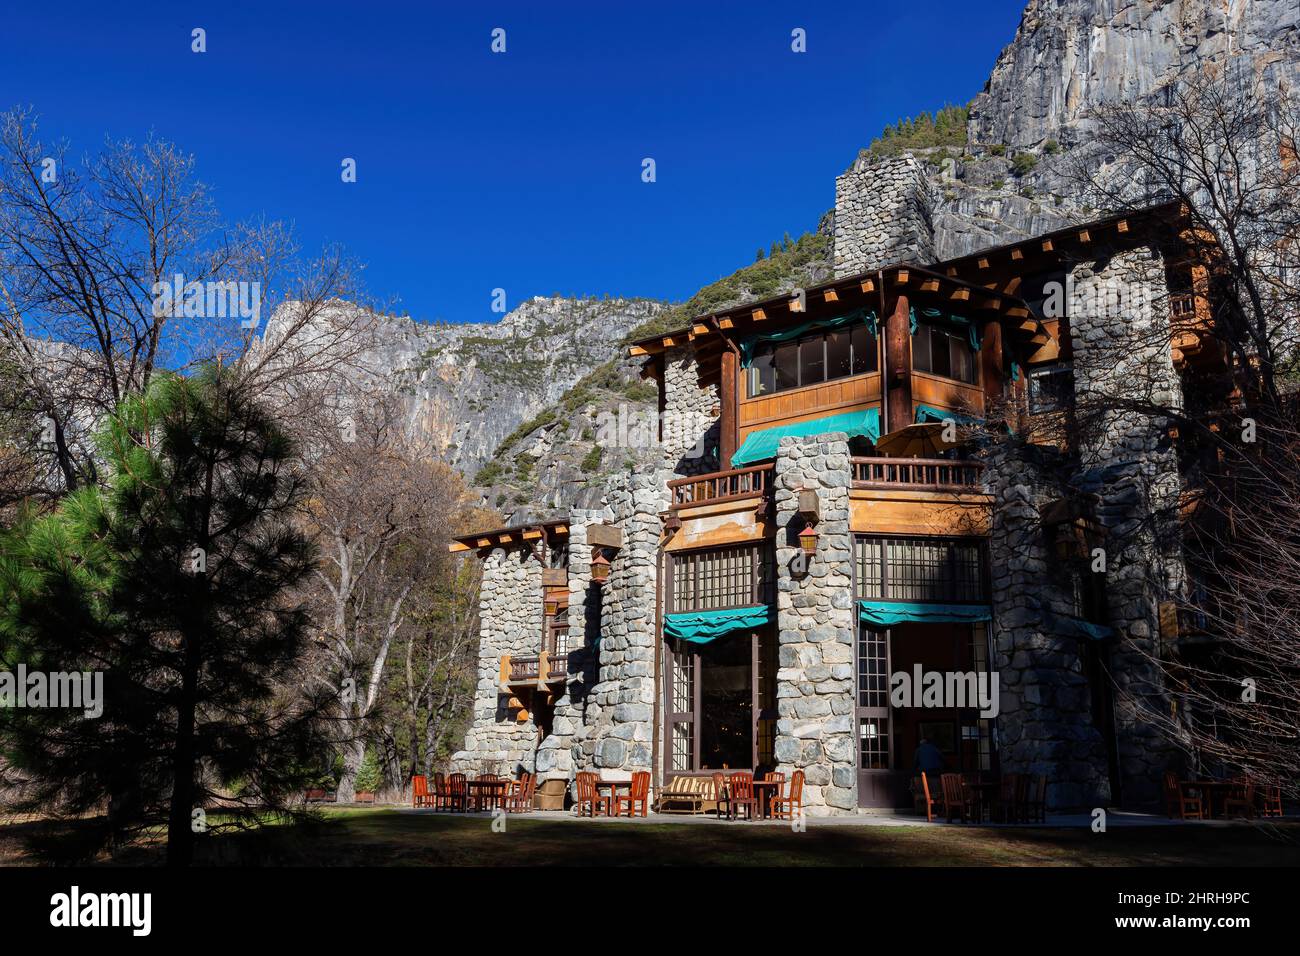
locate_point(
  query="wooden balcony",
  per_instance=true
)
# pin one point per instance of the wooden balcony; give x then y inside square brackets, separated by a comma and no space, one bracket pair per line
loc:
[721,486]
[918,474]
[546,668]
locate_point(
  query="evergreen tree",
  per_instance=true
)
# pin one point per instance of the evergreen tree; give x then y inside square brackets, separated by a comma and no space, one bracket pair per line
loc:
[175,582]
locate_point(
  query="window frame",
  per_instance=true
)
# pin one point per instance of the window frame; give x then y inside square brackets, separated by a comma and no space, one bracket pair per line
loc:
[1065,369]
[753,373]
[962,342]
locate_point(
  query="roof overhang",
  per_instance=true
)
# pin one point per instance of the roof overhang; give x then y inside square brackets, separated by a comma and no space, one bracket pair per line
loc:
[515,536]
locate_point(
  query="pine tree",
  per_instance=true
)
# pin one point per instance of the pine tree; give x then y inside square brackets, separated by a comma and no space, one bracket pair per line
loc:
[175,582]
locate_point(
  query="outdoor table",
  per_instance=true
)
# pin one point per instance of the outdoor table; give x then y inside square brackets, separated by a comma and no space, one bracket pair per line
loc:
[613,786]
[761,791]
[490,792]
[1214,790]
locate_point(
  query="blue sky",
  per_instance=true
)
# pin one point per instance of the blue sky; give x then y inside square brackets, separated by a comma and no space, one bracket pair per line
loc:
[519,170]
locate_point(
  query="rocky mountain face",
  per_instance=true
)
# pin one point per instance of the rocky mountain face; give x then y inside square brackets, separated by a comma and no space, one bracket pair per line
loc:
[1071,56]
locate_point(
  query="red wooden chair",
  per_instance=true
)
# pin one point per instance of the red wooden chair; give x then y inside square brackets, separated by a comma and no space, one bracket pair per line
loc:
[1270,799]
[519,798]
[419,790]
[955,801]
[742,795]
[1241,798]
[932,803]
[1180,802]
[457,792]
[720,794]
[788,806]
[639,792]
[588,800]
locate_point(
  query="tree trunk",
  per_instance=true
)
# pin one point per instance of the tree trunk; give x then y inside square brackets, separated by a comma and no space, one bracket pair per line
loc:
[354,752]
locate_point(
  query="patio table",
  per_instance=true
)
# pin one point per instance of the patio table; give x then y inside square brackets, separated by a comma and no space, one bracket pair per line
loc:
[489,793]
[765,790]
[612,786]
[1216,792]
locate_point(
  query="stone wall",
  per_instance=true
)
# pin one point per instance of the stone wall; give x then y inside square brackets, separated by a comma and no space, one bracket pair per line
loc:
[620,707]
[1045,723]
[689,430]
[816,627]
[882,215]
[510,622]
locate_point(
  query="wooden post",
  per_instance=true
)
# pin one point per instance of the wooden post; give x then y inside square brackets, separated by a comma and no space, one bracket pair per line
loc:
[991,370]
[728,398]
[898,366]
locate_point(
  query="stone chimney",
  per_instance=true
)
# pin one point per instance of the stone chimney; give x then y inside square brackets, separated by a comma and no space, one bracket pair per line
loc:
[882,215]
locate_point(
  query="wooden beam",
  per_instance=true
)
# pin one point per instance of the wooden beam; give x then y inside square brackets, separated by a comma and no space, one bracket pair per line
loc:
[457,546]
[930,285]
[960,295]
[795,305]
[982,264]
[1012,286]
[604,536]
[868,285]
[1122,226]
[637,351]
[728,393]
[994,303]
[1017,312]
[726,324]
[759,315]
[701,329]
[902,277]
[669,342]
[952,271]
[1085,236]
[1017,254]
[831,296]
[898,367]
[1047,245]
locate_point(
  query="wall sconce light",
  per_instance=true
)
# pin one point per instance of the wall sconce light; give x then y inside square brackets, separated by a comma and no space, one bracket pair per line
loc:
[808,540]
[599,567]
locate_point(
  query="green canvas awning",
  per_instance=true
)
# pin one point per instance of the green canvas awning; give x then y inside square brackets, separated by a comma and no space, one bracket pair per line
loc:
[700,627]
[1078,627]
[889,613]
[761,445]
[928,413]
[748,343]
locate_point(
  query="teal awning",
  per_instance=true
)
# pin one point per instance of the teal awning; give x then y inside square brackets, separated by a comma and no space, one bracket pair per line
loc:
[889,613]
[928,413]
[761,445]
[1078,627]
[700,627]
[747,343]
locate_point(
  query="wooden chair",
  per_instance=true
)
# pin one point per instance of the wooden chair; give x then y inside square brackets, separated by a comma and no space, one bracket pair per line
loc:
[588,800]
[741,794]
[955,800]
[928,799]
[720,795]
[1013,798]
[1180,802]
[1270,799]
[519,798]
[788,806]
[420,790]
[457,792]
[438,791]
[1242,799]
[639,792]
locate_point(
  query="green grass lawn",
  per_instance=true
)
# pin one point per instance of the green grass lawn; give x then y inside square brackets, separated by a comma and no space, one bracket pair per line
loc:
[386,837]
[391,838]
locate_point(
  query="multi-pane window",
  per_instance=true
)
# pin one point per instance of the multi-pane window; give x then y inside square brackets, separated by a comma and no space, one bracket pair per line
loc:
[946,570]
[944,353]
[873,742]
[681,720]
[873,699]
[819,357]
[737,576]
[1050,387]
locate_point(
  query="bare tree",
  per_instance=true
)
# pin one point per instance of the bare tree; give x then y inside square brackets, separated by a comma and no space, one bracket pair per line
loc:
[92,256]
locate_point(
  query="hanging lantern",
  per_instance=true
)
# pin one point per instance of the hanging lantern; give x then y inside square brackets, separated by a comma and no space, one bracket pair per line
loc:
[599,567]
[808,540]
[551,606]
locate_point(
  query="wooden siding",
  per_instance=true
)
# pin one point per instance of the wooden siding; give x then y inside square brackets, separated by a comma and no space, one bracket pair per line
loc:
[930,514]
[811,401]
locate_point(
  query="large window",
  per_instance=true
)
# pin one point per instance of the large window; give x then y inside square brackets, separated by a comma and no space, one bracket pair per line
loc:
[946,570]
[944,353]
[1050,387]
[721,577]
[819,357]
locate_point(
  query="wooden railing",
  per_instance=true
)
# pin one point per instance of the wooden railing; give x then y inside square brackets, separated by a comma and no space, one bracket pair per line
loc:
[751,482]
[923,473]
[524,669]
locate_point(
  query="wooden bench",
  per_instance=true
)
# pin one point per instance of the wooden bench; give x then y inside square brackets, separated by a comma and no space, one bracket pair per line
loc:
[685,794]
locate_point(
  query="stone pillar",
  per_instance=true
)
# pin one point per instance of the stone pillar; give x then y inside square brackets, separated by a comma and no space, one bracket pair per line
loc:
[816,628]
[1124,373]
[689,431]
[882,215]
[1045,719]
[621,705]
[510,622]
